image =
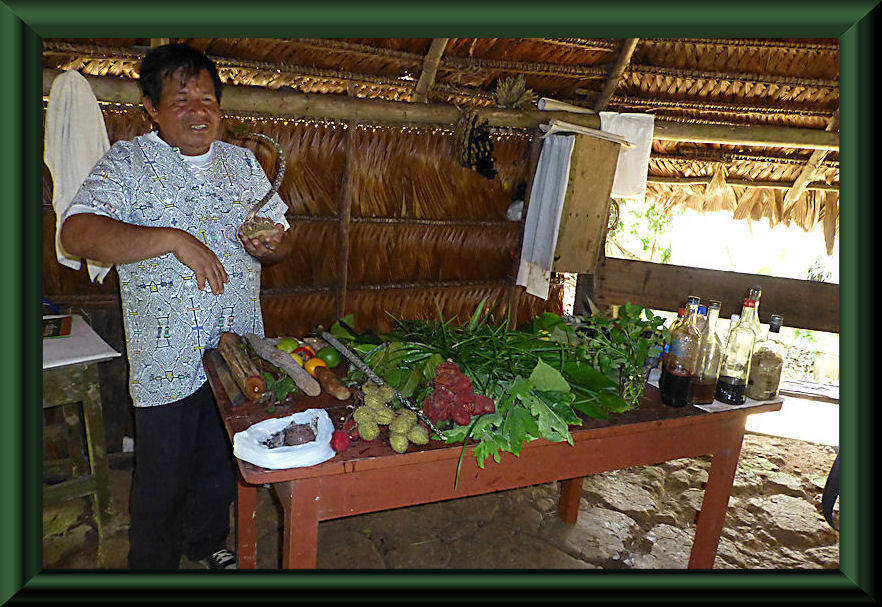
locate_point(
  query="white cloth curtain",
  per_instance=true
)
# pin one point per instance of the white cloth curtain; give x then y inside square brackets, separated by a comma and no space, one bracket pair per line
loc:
[543,214]
[633,163]
[75,139]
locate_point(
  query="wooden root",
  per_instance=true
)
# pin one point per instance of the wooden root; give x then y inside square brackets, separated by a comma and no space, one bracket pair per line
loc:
[266,349]
[244,371]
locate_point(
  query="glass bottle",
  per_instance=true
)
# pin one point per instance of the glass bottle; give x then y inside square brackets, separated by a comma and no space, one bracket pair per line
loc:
[679,362]
[705,383]
[701,319]
[755,293]
[681,314]
[768,360]
[735,365]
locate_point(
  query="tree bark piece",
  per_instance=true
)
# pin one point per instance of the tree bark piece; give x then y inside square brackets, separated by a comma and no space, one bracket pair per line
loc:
[266,349]
[243,370]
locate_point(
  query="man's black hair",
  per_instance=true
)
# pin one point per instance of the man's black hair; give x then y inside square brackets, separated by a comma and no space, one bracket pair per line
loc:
[165,60]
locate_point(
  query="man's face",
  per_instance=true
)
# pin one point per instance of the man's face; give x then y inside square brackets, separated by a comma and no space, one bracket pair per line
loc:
[187,114]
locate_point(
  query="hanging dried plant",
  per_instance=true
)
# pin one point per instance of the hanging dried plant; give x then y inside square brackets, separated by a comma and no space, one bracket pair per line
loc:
[719,195]
[512,93]
[831,219]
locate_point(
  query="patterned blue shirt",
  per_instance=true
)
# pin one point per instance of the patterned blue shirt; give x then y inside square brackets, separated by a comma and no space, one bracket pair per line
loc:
[168,320]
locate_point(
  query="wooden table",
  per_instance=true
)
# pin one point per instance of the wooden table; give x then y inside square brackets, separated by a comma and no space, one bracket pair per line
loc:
[70,376]
[370,477]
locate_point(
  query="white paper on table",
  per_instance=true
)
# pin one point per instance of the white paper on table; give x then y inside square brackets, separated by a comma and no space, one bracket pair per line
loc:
[82,345]
[715,406]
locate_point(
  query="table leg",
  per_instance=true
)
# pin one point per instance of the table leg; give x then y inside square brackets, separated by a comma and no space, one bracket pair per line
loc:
[95,441]
[246,524]
[716,499]
[300,534]
[568,503]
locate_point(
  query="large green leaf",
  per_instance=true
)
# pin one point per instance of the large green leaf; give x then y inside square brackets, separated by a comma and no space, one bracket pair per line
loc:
[587,376]
[548,379]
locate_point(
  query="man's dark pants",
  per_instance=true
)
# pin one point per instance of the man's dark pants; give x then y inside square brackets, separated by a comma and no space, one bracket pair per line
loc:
[184,483]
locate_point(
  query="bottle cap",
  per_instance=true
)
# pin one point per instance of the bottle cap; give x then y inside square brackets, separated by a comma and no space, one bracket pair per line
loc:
[714,304]
[692,300]
[775,323]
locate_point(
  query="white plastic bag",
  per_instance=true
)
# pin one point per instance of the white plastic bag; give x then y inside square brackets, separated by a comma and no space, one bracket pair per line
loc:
[248,444]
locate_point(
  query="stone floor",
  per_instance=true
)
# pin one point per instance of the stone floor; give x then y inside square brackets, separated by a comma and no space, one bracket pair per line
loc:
[639,518]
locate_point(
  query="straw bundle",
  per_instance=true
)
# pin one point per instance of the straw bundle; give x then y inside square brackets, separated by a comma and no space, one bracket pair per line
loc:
[830,212]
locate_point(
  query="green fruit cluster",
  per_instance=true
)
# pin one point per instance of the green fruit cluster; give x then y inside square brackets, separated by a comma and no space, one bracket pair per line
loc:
[404,430]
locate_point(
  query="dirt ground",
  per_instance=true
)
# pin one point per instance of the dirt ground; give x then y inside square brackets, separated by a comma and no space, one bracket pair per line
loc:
[639,518]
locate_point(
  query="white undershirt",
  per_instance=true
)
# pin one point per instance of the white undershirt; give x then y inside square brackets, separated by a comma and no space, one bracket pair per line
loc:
[197,163]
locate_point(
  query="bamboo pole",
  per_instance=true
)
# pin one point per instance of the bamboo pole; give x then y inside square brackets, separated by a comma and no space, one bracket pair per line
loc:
[808,171]
[430,68]
[756,135]
[781,185]
[257,100]
[622,61]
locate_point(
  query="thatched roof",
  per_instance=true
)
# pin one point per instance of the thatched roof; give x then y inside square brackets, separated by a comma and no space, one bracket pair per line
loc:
[782,82]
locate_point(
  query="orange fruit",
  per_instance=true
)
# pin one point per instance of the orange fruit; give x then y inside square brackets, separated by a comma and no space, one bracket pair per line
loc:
[312,363]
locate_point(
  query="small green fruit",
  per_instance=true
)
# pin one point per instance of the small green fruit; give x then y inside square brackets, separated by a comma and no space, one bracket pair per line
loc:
[287,344]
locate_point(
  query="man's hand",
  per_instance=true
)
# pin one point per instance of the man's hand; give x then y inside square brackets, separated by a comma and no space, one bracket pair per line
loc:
[192,253]
[268,249]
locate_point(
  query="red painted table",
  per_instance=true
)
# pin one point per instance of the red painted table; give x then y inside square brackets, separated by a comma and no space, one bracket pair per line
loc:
[369,477]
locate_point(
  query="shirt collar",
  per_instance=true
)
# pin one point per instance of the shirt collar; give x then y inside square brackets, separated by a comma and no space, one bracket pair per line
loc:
[199,160]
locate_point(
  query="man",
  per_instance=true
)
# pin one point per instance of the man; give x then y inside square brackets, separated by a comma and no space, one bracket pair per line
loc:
[165,208]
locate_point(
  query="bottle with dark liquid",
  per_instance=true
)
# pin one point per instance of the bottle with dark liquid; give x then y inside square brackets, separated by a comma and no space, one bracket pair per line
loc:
[735,366]
[681,316]
[680,359]
[705,384]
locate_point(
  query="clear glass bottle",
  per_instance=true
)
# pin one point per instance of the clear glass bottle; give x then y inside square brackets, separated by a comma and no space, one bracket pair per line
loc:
[755,293]
[767,363]
[735,365]
[705,383]
[701,319]
[680,360]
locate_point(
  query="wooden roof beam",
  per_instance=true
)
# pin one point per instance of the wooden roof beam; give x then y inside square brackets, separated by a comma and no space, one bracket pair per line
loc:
[615,75]
[289,103]
[808,171]
[430,68]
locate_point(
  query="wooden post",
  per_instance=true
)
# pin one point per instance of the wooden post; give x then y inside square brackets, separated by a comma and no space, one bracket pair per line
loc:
[345,217]
[622,61]
[430,68]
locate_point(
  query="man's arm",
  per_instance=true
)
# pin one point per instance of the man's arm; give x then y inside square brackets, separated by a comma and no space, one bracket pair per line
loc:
[101,238]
